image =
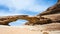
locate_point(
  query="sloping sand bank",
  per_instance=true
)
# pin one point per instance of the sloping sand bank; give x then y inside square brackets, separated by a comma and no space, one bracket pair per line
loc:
[28,29]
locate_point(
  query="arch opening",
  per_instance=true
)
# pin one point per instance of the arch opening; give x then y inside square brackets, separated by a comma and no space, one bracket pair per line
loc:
[18,22]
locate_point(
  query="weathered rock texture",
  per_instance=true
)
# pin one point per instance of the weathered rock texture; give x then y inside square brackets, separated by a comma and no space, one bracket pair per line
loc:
[55,9]
[31,20]
[51,15]
[5,20]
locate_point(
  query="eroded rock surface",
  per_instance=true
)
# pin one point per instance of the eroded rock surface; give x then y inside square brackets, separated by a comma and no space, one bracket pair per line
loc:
[51,15]
[5,20]
[55,9]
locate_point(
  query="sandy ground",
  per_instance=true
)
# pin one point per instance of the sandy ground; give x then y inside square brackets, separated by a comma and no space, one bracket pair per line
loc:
[25,30]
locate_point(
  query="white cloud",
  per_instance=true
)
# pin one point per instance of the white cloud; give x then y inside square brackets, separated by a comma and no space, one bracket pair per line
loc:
[16,5]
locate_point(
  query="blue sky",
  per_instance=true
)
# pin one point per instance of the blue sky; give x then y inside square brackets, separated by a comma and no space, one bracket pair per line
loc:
[24,7]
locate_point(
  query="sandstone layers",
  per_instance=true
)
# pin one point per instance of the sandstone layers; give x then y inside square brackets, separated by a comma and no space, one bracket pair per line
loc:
[51,15]
[55,9]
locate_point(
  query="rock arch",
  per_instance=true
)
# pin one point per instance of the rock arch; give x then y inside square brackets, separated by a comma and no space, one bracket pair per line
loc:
[7,19]
[34,20]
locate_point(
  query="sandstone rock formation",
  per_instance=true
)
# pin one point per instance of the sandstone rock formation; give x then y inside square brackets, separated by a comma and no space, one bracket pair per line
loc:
[5,20]
[39,21]
[51,15]
[55,9]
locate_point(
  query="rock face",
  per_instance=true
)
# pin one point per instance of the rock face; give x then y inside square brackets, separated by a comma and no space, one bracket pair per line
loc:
[40,21]
[51,15]
[55,9]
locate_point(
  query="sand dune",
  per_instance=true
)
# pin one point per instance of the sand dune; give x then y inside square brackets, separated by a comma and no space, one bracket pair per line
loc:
[39,29]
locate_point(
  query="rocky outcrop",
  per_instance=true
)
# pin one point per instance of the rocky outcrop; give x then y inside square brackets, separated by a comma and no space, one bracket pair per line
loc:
[31,20]
[51,15]
[55,9]
[39,21]
[5,20]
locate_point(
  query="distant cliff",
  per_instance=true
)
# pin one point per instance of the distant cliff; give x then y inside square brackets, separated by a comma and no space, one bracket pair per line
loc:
[55,9]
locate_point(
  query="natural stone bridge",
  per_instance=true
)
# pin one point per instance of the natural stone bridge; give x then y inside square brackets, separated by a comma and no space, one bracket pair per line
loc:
[5,20]
[51,15]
